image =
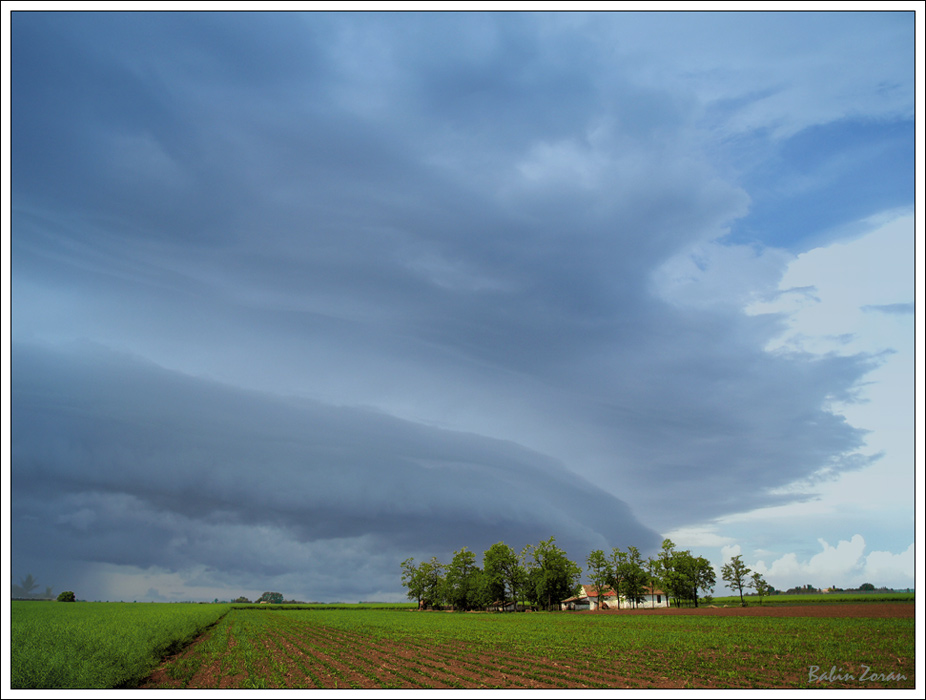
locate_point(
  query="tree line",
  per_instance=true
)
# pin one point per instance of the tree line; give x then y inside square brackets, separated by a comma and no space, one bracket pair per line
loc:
[540,574]
[543,576]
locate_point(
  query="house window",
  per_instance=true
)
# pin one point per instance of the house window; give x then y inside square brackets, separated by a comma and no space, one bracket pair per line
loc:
[658,599]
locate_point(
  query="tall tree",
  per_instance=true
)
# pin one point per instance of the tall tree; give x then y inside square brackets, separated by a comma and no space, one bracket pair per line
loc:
[697,573]
[760,585]
[432,581]
[411,579]
[503,571]
[634,577]
[600,573]
[618,573]
[551,575]
[684,575]
[461,581]
[671,579]
[653,570]
[734,574]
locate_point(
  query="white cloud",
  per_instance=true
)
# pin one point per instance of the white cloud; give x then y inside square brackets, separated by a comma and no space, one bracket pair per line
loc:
[730,551]
[827,293]
[846,565]
[698,536]
[826,297]
[880,566]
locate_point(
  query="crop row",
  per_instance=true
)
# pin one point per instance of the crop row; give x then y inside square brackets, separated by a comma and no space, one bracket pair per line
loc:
[275,651]
[406,650]
[107,645]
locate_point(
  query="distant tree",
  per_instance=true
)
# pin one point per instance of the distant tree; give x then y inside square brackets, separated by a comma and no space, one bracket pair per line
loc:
[25,587]
[241,599]
[600,573]
[66,597]
[271,597]
[760,586]
[867,587]
[735,574]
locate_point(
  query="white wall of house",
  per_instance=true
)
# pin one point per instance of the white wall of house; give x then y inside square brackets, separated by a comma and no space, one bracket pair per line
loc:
[651,600]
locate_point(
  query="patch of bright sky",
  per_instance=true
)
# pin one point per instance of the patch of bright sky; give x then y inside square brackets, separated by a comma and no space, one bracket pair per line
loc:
[855,296]
[821,179]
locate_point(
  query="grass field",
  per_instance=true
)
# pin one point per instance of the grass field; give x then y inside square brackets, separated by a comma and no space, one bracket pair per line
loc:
[386,647]
[98,645]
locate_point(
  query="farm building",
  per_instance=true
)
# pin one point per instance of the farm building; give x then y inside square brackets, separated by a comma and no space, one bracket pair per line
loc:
[588,599]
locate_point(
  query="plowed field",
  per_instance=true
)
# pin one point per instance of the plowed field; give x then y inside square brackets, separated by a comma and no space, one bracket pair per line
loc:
[277,649]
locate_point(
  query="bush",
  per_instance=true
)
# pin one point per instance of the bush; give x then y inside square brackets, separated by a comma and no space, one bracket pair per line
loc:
[66,597]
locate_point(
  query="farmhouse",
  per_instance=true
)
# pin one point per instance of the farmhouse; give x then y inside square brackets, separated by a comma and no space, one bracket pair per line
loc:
[588,599]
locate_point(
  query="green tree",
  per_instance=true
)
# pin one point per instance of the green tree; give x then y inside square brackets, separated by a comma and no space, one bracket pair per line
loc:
[618,573]
[66,597]
[461,581]
[551,575]
[600,573]
[864,587]
[504,573]
[653,571]
[480,596]
[760,586]
[241,599]
[672,580]
[735,574]
[634,577]
[684,575]
[413,581]
[271,597]
[432,577]
[702,576]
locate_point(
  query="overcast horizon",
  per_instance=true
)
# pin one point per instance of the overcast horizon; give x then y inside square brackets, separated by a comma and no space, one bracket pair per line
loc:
[297,296]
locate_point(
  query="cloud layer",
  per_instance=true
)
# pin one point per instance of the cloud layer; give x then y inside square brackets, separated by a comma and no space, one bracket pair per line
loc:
[347,288]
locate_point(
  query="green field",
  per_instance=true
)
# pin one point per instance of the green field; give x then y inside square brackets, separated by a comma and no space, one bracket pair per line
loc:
[817,598]
[110,645]
[98,645]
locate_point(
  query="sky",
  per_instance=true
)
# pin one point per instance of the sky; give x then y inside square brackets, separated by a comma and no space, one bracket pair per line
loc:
[297,296]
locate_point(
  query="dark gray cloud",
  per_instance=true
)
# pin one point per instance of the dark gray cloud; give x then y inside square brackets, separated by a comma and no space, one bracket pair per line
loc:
[394,277]
[118,461]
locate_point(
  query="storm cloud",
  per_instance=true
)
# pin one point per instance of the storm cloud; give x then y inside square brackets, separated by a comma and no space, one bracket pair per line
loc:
[296,295]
